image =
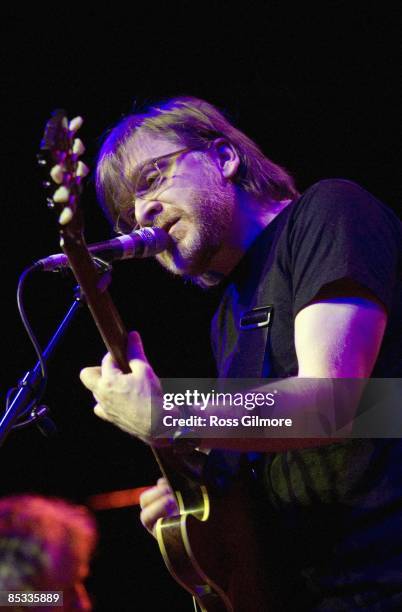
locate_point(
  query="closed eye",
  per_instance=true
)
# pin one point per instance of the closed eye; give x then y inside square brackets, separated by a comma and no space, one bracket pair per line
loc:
[152,177]
[147,181]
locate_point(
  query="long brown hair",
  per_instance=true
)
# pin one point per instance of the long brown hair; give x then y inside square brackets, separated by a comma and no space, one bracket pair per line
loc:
[194,123]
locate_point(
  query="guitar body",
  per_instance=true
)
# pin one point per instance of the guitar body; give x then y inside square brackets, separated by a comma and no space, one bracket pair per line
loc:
[211,547]
[214,548]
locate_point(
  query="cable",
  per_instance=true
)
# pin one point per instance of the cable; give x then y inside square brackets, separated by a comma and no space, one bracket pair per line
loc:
[35,343]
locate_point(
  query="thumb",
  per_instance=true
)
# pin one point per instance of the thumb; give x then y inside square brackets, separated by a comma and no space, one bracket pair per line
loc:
[135,349]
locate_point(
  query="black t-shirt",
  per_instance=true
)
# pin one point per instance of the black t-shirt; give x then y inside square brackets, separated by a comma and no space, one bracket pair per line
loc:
[335,230]
[337,510]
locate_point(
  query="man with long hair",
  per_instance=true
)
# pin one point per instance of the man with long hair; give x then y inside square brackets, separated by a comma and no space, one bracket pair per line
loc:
[322,266]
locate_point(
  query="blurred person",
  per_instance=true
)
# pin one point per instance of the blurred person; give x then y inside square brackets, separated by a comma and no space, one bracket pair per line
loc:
[46,545]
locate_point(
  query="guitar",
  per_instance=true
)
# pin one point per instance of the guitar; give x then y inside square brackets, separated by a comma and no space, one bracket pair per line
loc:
[210,547]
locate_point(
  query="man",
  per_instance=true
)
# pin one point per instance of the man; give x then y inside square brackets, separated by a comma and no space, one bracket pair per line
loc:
[324,267]
[45,545]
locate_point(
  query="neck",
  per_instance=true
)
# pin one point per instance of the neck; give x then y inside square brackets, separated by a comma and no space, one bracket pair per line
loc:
[250,218]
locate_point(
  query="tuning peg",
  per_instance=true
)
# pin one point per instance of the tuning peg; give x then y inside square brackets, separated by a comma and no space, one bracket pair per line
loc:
[78,147]
[57,174]
[66,216]
[50,203]
[61,195]
[82,169]
[46,184]
[75,124]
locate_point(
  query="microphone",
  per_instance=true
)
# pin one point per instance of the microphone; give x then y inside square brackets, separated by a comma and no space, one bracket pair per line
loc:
[145,242]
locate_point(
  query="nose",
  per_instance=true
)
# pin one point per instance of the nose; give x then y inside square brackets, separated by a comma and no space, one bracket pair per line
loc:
[146,211]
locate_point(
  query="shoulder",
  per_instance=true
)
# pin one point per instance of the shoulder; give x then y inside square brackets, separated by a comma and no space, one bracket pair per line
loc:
[339,231]
[341,201]
[335,187]
[344,192]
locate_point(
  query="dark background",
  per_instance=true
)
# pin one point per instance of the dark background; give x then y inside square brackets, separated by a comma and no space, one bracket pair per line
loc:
[318,91]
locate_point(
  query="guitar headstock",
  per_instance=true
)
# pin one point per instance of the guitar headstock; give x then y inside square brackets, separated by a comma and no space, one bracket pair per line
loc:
[60,150]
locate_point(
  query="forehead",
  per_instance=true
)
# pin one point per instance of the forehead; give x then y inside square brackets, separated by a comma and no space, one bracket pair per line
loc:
[147,146]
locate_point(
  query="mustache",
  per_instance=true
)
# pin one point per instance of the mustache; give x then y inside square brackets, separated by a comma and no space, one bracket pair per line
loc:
[167,218]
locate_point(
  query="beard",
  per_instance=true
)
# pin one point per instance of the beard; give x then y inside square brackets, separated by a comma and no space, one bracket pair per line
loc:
[199,234]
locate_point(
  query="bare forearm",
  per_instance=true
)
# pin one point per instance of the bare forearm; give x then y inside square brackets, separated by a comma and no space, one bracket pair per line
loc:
[320,411]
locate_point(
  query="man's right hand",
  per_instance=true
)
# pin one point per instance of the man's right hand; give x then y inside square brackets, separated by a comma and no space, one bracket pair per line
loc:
[158,502]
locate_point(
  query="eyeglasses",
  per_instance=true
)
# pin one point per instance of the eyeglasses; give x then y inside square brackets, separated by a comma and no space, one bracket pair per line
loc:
[149,180]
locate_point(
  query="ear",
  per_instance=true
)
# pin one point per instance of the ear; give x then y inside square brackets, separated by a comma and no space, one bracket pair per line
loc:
[226,157]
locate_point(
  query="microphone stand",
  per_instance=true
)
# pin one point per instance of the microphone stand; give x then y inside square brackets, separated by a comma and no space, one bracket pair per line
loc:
[29,384]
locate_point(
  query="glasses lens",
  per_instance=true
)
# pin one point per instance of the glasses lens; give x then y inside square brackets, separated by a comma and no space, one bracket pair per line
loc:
[148,180]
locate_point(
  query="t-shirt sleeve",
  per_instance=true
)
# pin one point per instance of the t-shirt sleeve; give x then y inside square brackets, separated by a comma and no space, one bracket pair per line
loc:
[339,231]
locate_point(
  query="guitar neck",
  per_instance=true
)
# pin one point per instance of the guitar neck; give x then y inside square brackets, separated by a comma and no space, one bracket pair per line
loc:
[114,335]
[100,304]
